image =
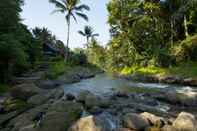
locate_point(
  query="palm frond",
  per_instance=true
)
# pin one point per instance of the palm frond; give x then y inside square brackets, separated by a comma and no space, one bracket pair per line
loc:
[82,7]
[94,35]
[81,33]
[85,17]
[73,17]
[58,4]
[58,10]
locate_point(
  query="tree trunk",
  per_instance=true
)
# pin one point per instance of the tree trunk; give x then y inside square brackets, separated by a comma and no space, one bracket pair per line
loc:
[185,26]
[87,38]
[68,38]
[172,31]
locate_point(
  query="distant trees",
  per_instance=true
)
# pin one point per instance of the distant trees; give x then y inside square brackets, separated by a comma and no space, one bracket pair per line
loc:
[88,32]
[145,32]
[71,9]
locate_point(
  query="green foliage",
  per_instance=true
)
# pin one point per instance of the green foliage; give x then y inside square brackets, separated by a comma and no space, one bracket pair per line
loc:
[188,69]
[78,57]
[96,54]
[56,68]
[9,15]
[3,88]
[143,33]
[186,50]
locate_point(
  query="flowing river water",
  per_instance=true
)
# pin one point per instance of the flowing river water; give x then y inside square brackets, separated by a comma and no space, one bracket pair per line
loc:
[104,85]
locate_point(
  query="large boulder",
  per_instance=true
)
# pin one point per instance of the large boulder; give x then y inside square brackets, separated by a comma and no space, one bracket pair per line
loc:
[168,128]
[60,116]
[81,97]
[153,119]
[91,101]
[103,122]
[190,82]
[134,121]
[25,91]
[185,122]
[85,124]
[50,84]
[46,96]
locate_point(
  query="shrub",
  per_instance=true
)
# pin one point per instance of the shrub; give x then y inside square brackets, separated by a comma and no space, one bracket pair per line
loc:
[56,69]
[186,50]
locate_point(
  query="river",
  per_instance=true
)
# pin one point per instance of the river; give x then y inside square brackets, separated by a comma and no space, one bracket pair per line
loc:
[104,84]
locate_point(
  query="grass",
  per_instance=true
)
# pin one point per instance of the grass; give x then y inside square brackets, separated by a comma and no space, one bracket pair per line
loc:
[185,70]
[3,88]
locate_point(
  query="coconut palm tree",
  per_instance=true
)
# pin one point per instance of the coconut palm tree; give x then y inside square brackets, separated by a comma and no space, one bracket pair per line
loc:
[71,9]
[88,32]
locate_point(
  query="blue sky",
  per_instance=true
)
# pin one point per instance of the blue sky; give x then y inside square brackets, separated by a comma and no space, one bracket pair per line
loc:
[38,13]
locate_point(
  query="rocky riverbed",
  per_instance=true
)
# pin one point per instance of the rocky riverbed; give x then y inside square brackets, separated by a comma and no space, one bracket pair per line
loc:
[81,107]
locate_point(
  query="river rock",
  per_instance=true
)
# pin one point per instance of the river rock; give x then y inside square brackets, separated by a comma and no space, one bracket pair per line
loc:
[152,129]
[81,97]
[60,116]
[153,119]
[124,129]
[50,84]
[101,122]
[122,94]
[185,122]
[168,128]
[91,101]
[39,99]
[25,119]
[135,121]
[85,124]
[70,97]
[25,91]
[190,82]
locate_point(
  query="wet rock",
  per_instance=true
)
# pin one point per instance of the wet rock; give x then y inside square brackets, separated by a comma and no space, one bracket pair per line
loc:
[25,91]
[43,97]
[39,99]
[49,84]
[91,101]
[96,110]
[153,129]
[85,124]
[70,97]
[185,122]
[122,94]
[170,79]
[60,116]
[94,123]
[168,128]
[134,121]
[14,104]
[25,120]
[190,82]
[124,129]
[2,110]
[82,96]
[153,119]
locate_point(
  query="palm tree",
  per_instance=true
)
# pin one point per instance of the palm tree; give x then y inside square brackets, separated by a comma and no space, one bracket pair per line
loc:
[88,33]
[71,9]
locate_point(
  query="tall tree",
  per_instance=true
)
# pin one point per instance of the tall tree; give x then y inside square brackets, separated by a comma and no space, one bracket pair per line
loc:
[71,9]
[88,32]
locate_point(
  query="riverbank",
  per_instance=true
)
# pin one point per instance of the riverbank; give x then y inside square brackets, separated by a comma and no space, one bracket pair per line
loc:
[34,92]
[185,74]
[84,110]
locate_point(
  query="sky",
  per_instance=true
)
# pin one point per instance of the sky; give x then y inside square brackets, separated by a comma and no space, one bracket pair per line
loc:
[37,13]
